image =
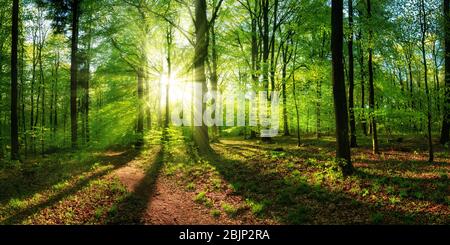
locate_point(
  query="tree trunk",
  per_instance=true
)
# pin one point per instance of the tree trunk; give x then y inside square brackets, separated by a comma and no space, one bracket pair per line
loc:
[285,114]
[169,72]
[201,137]
[214,77]
[351,82]
[373,123]
[424,30]
[340,102]
[73,74]
[14,79]
[140,121]
[255,56]
[445,132]
[273,61]
[363,90]
[294,93]
[266,50]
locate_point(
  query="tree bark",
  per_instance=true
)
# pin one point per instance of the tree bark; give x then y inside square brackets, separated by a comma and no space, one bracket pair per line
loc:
[169,39]
[140,122]
[373,123]
[445,132]
[201,137]
[351,82]
[424,30]
[14,79]
[340,102]
[74,73]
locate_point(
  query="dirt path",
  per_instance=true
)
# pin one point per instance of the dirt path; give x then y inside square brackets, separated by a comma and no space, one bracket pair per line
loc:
[167,202]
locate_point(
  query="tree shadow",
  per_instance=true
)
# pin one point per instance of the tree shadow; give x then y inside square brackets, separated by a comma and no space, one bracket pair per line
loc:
[33,178]
[117,161]
[131,209]
[293,200]
[434,190]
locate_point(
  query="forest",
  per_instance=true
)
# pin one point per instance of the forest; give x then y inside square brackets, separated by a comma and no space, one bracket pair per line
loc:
[224,112]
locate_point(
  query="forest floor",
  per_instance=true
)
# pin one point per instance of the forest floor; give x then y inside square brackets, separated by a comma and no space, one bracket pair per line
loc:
[241,182]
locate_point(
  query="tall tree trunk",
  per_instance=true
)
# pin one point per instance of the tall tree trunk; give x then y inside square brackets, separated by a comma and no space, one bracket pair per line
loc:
[351,82]
[283,78]
[294,93]
[214,77]
[373,123]
[266,51]
[445,132]
[169,38]
[363,89]
[424,30]
[201,137]
[14,79]
[340,101]
[74,73]
[273,60]
[22,94]
[140,121]
[254,55]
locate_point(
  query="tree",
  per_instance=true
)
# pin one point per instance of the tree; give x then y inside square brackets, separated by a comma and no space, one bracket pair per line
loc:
[340,102]
[424,31]
[14,79]
[74,72]
[373,123]
[351,81]
[445,132]
[201,137]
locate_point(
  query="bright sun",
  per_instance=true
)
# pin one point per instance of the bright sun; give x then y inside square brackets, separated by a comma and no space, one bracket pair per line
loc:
[178,90]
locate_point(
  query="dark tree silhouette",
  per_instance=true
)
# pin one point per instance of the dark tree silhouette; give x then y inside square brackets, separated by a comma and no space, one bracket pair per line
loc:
[14,78]
[445,133]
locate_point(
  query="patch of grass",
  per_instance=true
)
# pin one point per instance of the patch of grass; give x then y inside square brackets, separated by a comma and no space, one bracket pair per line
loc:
[255,207]
[99,212]
[236,186]
[201,198]
[60,186]
[16,203]
[394,200]
[229,209]
[190,186]
[217,183]
[113,210]
[215,213]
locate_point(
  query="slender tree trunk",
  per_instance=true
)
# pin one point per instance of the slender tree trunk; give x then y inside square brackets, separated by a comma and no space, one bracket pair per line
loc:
[351,82]
[445,132]
[424,30]
[266,51]
[214,76]
[373,123]
[254,55]
[294,93]
[340,102]
[74,74]
[273,61]
[318,107]
[14,79]
[285,114]
[22,95]
[140,121]
[201,137]
[363,89]
[169,72]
